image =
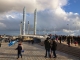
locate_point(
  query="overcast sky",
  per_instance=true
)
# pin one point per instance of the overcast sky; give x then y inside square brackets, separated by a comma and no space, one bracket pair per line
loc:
[61,16]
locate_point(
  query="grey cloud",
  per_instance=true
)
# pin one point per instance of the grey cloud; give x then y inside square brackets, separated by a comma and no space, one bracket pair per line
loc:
[17,5]
[47,19]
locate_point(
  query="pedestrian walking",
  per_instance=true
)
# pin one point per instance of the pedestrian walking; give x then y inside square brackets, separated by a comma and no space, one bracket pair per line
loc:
[53,48]
[19,49]
[68,40]
[0,44]
[47,47]
[60,38]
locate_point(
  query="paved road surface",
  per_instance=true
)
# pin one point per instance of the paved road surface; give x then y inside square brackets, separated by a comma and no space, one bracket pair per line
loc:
[32,52]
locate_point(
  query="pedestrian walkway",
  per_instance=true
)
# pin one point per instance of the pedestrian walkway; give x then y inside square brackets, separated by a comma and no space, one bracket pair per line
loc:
[31,52]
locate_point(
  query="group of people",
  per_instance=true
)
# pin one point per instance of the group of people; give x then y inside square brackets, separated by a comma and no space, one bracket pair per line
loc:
[50,47]
[69,39]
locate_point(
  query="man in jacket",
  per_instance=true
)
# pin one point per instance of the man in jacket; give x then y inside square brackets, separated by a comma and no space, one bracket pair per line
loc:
[53,48]
[47,47]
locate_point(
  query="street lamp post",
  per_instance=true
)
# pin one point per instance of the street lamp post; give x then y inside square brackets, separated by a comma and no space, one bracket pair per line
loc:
[28,28]
[68,29]
[76,28]
[54,31]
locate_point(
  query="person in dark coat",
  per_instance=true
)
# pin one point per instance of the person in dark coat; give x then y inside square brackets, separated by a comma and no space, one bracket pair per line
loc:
[47,47]
[53,48]
[19,49]
[0,44]
[60,38]
[32,41]
[68,40]
[71,39]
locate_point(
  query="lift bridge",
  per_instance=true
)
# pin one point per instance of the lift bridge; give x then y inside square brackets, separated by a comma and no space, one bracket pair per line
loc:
[36,38]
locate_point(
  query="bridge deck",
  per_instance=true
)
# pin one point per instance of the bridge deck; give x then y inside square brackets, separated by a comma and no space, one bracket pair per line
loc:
[32,52]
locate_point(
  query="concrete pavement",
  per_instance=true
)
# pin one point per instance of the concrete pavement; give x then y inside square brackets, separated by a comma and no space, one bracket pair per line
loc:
[31,52]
